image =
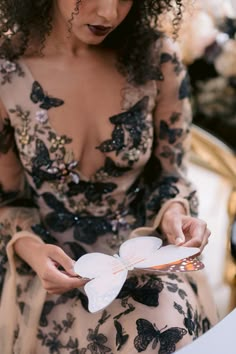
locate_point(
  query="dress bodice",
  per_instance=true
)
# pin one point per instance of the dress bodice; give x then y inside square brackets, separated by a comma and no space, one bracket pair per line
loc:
[62,193]
[141,149]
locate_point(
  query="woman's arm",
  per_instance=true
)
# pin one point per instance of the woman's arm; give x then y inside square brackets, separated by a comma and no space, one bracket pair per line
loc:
[171,193]
[17,217]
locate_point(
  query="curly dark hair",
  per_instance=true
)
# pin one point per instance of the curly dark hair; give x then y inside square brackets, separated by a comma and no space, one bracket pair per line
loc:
[132,40]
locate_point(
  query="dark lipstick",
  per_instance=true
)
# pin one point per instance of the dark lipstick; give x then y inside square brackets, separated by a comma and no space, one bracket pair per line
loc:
[99,30]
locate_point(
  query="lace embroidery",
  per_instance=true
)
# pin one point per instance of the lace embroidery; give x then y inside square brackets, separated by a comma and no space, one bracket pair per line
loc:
[8,69]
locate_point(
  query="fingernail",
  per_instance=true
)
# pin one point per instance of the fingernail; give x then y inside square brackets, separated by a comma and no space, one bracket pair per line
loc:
[179,240]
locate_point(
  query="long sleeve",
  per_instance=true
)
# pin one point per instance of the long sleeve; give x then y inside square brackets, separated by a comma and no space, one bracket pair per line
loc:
[172,122]
[16,218]
[17,212]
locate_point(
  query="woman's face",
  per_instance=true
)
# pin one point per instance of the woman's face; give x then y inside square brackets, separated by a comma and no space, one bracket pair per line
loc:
[96,18]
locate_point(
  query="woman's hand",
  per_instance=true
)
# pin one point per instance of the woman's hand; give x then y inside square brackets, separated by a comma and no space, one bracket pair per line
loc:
[45,260]
[182,229]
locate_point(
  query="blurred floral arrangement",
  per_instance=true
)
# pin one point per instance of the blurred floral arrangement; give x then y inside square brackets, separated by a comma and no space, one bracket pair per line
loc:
[208,44]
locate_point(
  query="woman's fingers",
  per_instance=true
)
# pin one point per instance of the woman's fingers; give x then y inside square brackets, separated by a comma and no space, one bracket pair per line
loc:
[173,230]
[196,232]
[56,273]
[57,289]
[179,240]
[59,256]
[199,240]
[55,279]
[185,230]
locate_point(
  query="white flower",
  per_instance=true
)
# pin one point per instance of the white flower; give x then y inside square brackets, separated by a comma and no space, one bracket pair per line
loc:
[41,116]
[8,66]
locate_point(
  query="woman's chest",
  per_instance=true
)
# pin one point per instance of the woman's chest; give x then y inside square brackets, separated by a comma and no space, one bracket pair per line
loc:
[90,125]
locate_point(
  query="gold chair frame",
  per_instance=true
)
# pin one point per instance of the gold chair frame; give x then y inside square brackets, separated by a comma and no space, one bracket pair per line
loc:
[211,153]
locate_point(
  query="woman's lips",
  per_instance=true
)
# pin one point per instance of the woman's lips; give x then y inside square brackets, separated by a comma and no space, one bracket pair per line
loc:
[99,30]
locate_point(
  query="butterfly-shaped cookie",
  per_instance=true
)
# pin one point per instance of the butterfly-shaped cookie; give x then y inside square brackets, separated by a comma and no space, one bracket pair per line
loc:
[108,273]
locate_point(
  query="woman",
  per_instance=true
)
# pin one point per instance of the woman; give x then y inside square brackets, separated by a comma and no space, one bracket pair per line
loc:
[94,120]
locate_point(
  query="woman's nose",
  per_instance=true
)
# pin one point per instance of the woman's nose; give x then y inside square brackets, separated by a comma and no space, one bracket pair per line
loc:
[108,10]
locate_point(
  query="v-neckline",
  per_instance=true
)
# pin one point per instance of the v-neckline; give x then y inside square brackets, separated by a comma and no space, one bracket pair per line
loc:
[68,148]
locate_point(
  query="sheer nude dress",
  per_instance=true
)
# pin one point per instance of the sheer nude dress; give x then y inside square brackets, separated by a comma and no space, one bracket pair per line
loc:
[45,194]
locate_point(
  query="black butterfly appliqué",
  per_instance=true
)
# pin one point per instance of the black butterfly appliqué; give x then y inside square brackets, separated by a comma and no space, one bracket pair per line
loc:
[188,321]
[121,337]
[44,169]
[98,340]
[131,121]
[167,57]
[39,96]
[86,227]
[92,191]
[185,88]
[148,333]
[45,235]
[171,134]
[116,143]
[175,156]
[7,196]
[42,157]
[166,190]
[147,293]
[47,308]
[111,169]
[41,162]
